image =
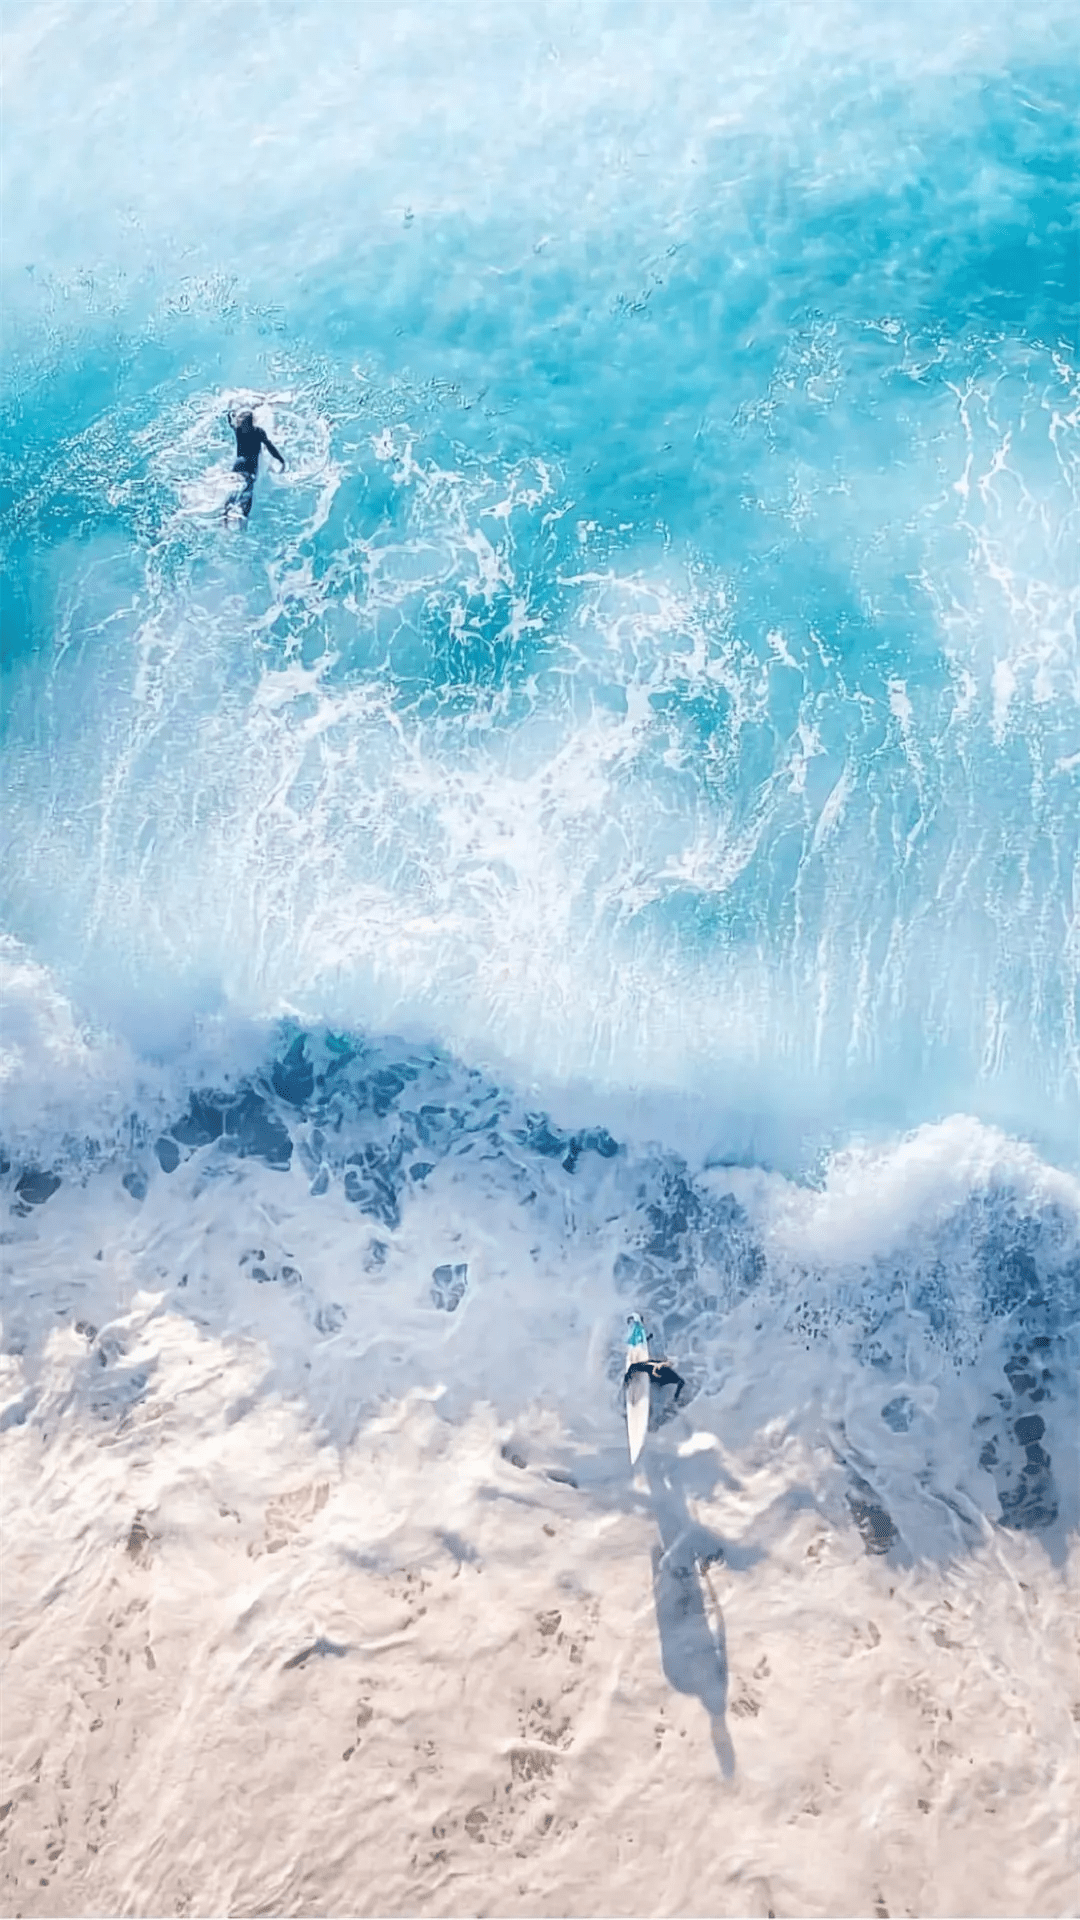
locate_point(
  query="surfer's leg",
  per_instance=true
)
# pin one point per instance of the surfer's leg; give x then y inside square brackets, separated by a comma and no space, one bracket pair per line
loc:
[244,494]
[242,498]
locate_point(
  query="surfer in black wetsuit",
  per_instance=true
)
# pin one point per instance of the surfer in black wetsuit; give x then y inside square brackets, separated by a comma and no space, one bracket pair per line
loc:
[660,1372]
[250,441]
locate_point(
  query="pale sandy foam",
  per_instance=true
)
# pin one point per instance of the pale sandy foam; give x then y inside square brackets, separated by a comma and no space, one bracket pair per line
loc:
[320,1597]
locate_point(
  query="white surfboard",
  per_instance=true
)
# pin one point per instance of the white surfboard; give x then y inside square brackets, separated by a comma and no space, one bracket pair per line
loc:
[637,1389]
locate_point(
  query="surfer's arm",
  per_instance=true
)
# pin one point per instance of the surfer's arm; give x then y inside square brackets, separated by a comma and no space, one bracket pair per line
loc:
[671,1378]
[663,1374]
[270,448]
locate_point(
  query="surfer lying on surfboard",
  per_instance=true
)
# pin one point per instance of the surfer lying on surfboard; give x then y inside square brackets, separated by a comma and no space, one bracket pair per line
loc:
[661,1372]
[641,1372]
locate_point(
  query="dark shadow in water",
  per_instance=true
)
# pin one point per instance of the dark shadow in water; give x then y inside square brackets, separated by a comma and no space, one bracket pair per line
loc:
[689,1616]
[319,1649]
[693,1645]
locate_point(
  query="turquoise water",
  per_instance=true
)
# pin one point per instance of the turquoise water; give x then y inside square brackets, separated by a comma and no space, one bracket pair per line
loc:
[656,675]
[602,840]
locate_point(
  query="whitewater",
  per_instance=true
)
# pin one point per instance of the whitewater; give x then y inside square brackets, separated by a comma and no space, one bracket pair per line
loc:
[603,838]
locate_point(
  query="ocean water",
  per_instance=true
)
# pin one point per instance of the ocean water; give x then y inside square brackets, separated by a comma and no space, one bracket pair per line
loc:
[606,835]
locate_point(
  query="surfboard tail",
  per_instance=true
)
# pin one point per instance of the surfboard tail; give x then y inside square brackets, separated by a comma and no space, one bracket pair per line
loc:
[636,1388]
[637,1413]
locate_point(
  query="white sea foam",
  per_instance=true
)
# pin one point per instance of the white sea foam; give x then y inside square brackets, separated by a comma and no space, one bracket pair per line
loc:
[602,837]
[343,1480]
[542,859]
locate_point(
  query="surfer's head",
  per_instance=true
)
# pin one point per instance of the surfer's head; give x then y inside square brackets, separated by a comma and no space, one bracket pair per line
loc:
[245,418]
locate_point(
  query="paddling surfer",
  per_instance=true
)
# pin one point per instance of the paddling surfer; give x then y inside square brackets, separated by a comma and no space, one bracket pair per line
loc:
[660,1372]
[250,441]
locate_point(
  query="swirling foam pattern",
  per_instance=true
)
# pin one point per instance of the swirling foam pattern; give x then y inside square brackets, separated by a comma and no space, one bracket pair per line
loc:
[661,657]
[606,833]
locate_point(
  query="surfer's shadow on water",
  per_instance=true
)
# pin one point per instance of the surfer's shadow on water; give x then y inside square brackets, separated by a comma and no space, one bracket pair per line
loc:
[689,1616]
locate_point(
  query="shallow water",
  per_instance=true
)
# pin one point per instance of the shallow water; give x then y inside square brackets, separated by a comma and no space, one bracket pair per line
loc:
[604,836]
